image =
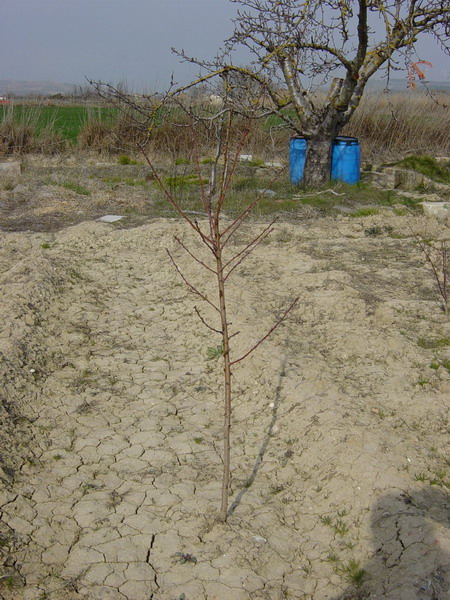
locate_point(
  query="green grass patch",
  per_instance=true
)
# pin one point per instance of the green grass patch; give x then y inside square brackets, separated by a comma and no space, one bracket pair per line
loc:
[127,181]
[182,181]
[66,120]
[365,212]
[431,344]
[182,161]
[428,166]
[256,162]
[126,160]
[74,187]
[411,203]
[353,573]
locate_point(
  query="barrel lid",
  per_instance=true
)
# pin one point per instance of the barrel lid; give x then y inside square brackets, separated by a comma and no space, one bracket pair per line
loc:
[345,140]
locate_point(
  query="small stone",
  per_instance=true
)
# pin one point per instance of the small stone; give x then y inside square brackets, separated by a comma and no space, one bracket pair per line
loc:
[259,539]
[110,218]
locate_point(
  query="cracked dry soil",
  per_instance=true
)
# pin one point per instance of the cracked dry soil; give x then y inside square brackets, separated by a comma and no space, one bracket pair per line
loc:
[111,419]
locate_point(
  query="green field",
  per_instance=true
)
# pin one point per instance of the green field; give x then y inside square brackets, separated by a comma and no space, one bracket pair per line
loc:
[67,120]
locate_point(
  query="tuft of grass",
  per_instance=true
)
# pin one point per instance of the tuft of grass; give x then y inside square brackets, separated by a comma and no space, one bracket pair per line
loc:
[332,558]
[182,181]
[124,159]
[75,187]
[213,352]
[245,183]
[365,212]
[182,161]
[438,477]
[256,162]
[340,528]
[354,573]
[127,181]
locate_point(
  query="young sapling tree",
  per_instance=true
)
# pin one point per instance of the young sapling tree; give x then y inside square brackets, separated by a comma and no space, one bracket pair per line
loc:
[216,235]
[437,256]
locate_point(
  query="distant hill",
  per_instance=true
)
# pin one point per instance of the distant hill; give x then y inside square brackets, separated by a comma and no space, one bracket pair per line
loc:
[48,88]
[34,88]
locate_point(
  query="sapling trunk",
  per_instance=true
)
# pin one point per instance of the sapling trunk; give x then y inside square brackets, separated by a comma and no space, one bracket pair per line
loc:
[227,383]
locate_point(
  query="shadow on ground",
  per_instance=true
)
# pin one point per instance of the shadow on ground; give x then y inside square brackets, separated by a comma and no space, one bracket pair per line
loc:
[410,560]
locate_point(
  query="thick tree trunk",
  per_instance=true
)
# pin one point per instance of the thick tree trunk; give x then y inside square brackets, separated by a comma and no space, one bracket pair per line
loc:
[317,169]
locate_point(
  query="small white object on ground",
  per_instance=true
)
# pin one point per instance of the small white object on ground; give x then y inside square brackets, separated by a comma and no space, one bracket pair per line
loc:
[247,157]
[270,193]
[260,539]
[110,218]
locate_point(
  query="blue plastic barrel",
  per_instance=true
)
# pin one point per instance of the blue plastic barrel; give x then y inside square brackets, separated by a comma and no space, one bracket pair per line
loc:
[346,159]
[297,156]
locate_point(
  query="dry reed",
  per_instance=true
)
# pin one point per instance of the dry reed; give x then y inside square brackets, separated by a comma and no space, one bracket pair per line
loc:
[392,125]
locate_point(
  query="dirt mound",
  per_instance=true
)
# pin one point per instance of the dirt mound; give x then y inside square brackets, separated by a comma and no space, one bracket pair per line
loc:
[340,423]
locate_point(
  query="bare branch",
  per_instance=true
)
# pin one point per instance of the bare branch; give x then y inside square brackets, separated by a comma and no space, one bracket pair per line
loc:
[194,224]
[204,322]
[200,262]
[259,342]
[248,249]
[189,284]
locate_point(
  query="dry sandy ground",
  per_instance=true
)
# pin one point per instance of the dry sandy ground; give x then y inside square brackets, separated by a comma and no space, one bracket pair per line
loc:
[111,439]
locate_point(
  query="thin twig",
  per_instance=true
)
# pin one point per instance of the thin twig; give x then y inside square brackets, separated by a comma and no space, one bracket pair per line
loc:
[200,262]
[209,242]
[189,284]
[260,341]
[251,242]
[204,322]
[248,250]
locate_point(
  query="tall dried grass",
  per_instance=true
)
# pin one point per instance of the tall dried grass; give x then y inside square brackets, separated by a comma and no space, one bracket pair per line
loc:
[112,135]
[20,133]
[389,126]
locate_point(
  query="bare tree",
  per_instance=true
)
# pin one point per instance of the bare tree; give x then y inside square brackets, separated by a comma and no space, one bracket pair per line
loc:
[313,58]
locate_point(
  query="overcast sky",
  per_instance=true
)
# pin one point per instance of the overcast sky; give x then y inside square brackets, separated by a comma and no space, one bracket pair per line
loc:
[113,40]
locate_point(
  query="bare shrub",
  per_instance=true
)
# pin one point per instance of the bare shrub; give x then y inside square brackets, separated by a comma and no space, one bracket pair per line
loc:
[15,137]
[111,136]
[437,257]
[96,135]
